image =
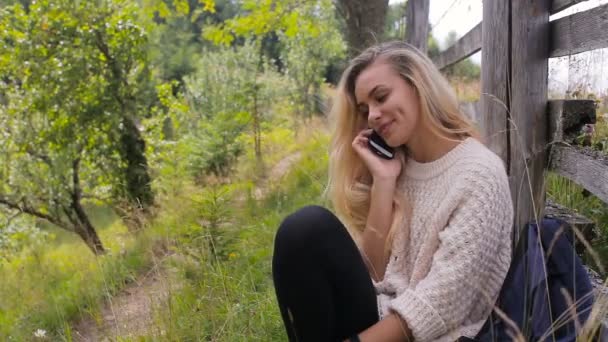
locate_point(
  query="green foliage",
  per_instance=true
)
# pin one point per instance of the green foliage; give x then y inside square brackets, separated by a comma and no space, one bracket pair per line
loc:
[396,26]
[258,19]
[225,95]
[18,234]
[308,33]
[74,79]
[175,35]
[307,54]
[215,208]
[232,298]
[571,195]
[600,134]
[83,82]
[47,285]
[306,181]
[433,47]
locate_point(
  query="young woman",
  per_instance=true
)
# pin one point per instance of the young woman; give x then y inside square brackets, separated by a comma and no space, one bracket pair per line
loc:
[423,242]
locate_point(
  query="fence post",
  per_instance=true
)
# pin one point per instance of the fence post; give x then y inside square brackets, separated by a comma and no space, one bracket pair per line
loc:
[417,19]
[528,129]
[495,75]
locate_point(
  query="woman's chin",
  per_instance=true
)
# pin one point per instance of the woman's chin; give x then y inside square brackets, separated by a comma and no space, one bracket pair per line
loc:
[392,142]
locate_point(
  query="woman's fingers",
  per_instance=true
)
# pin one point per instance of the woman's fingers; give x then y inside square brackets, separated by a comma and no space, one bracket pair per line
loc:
[360,142]
[366,132]
[363,136]
[376,165]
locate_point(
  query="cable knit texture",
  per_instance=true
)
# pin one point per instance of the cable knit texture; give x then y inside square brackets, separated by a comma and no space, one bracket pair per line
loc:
[447,267]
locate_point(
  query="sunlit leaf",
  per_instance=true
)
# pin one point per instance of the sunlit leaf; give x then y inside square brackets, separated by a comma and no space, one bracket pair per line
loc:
[209,5]
[181,6]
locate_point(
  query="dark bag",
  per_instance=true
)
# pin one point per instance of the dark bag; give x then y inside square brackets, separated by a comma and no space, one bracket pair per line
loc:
[544,265]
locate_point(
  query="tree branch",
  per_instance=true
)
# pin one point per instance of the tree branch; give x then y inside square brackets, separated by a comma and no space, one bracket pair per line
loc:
[76,191]
[116,72]
[12,217]
[68,214]
[46,159]
[25,208]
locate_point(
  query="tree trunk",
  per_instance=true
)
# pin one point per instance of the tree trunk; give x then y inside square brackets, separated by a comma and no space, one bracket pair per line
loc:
[88,234]
[417,21]
[137,178]
[82,224]
[364,22]
[132,146]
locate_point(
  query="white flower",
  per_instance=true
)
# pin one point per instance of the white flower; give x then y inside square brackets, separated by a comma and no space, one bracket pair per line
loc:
[40,333]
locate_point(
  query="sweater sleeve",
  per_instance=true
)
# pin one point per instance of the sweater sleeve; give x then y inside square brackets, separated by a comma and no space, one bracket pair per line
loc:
[469,266]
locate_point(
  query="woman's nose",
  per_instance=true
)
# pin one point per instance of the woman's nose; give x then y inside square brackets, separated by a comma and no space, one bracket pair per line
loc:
[374,115]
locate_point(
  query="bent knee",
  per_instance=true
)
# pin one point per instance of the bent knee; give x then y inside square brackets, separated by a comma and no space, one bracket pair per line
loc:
[305,227]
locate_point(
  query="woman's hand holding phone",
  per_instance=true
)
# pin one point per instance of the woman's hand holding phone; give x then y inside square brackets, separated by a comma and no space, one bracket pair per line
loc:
[380,168]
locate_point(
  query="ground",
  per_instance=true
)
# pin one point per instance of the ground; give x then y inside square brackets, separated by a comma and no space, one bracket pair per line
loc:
[130,313]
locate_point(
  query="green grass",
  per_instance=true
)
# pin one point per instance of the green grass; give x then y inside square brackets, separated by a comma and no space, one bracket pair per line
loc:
[229,296]
[219,240]
[48,286]
[572,195]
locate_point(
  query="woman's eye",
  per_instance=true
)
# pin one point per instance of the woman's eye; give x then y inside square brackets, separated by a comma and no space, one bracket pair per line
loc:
[382,98]
[363,110]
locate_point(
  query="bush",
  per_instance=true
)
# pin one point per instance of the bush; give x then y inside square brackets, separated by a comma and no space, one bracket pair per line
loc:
[232,93]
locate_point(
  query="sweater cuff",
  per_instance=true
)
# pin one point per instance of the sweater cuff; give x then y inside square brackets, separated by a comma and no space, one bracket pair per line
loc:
[423,320]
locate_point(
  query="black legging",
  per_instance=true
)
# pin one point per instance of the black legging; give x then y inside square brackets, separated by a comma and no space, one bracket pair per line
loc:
[323,288]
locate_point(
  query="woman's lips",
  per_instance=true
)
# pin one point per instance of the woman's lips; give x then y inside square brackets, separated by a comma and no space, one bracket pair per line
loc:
[383,130]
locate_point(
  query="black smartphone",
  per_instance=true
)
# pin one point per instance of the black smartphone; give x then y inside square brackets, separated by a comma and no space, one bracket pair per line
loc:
[380,147]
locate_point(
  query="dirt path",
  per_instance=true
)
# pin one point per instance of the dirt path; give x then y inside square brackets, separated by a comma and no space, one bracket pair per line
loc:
[130,313]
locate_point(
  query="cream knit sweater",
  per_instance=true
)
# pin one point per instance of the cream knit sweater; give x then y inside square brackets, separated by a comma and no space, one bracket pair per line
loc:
[446,269]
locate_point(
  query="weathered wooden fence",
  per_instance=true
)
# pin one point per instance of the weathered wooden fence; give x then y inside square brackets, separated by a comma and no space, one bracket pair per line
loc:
[527,130]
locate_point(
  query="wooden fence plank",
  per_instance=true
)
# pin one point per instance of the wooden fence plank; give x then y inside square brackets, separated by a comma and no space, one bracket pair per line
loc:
[576,221]
[560,5]
[495,76]
[567,118]
[469,44]
[580,32]
[528,129]
[584,166]
[417,17]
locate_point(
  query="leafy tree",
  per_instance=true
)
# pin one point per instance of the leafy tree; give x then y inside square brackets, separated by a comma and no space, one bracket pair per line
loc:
[225,95]
[256,21]
[24,3]
[17,233]
[175,35]
[308,52]
[75,82]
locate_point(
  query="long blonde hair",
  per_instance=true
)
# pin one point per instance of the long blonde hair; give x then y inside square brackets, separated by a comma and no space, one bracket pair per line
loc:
[349,180]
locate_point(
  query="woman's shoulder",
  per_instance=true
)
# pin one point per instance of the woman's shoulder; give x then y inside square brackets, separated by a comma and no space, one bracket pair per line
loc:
[469,156]
[477,156]
[478,164]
